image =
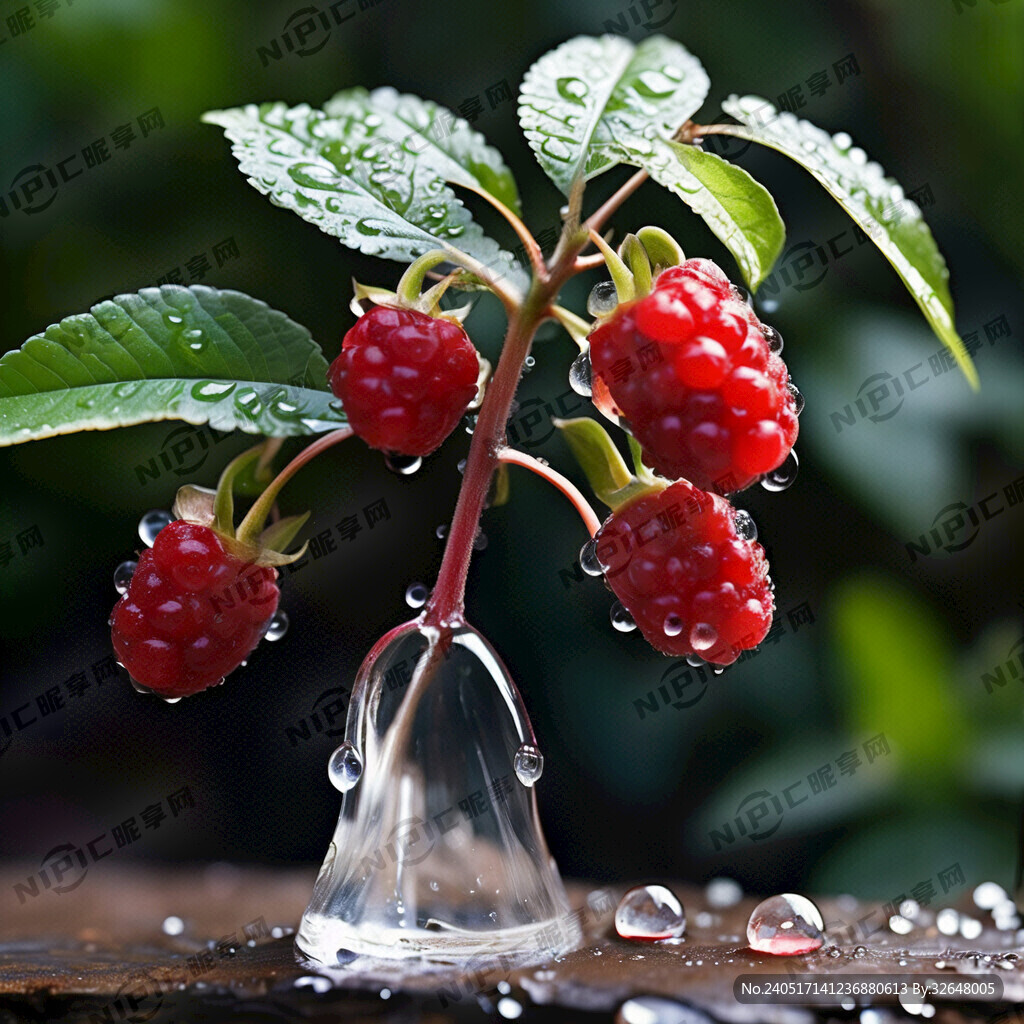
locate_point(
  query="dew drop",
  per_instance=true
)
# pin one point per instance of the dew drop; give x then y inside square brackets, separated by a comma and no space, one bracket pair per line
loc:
[171,700]
[470,422]
[403,465]
[556,149]
[695,660]
[772,337]
[461,466]
[172,925]
[947,921]
[580,377]
[603,299]
[572,89]
[723,892]
[746,528]
[441,532]
[742,294]
[798,398]
[171,320]
[989,895]
[673,625]
[123,576]
[528,764]
[900,925]
[345,767]
[529,363]
[138,687]
[768,305]
[278,626]
[786,925]
[621,619]
[317,984]
[510,1008]
[783,477]
[649,913]
[969,927]
[152,523]
[703,636]
[480,541]
[589,562]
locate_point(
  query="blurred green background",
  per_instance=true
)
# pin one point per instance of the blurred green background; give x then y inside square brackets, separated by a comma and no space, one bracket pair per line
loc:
[873,643]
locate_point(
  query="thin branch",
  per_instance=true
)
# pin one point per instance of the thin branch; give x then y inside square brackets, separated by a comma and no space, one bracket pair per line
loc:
[566,486]
[597,219]
[530,243]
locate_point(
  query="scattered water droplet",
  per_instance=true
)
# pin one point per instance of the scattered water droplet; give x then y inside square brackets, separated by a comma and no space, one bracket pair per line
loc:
[318,984]
[746,528]
[723,892]
[441,532]
[529,363]
[509,1008]
[416,595]
[603,299]
[989,895]
[783,477]
[172,925]
[580,378]
[345,767]
[742,294]
[278,626]
[461,466]
[403,465]
[152,523]
[695,660]
[574,90]
[470,422]
[947,921]
[673,625]
[589,562]
[480,541]
[969,927]
[768,306]
[798,397]
[528,764]
[123,576]
[650,913]
[171,700]
[556,149]
[171,320]
[621,619]
[786,925]
[773,338]
[909,909]
[900,925]
[212,390]
[703,636]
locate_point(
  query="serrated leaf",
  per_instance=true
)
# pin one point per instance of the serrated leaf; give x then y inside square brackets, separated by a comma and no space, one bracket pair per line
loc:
[433,134]
[195,354]
[581,103]
[374,197]
[877,203]
[739,210]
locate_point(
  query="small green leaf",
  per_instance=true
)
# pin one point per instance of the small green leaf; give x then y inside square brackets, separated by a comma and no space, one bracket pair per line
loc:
[739,210]
[375,197]
[583,105]
[433,135]
[195,354]
[604,467]
[877,203]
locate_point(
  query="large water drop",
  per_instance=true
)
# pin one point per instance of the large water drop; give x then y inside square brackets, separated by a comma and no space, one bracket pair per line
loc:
[123,576]
[783,477]
[650,913]
[786,925]
[152,523]
[345,767]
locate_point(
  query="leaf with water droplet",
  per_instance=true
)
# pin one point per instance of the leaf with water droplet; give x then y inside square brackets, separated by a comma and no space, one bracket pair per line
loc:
[585,106]
[879,206]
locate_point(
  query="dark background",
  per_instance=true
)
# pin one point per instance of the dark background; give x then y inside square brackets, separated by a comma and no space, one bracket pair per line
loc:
[896,647]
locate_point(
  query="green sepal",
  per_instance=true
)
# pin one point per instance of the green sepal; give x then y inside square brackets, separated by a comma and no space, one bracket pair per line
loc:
[634,255]
[279,535]
[662,249]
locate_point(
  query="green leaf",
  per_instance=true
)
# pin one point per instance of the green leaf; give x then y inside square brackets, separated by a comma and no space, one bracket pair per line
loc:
[603,466]
[433,135]
[739,210]
[195,354]
[582,104]
[375,197]
[877,203]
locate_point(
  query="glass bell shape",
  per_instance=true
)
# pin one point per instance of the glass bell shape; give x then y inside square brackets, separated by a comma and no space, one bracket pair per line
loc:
[438,852]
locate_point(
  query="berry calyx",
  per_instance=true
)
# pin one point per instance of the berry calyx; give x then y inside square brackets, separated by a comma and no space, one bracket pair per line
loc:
[689,367]
[405,378]
[687,574]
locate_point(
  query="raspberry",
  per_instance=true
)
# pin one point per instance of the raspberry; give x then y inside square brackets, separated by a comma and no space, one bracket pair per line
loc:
[405,379]
[192,611]
[690,369]
[689,578]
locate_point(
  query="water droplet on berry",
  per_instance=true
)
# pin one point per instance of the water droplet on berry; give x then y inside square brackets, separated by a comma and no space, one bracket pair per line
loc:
[783,477]
[123,576]
[278,626]
[403,465]
[723,892]
[603,299]
[703,636]
[416,595]
[317,984]
[441,532]
[773,338]
[649,913]
[580,377]
[742,294]
[152,523]
[138,687]
[589,562]
[168,700]
[695,660]
[798,398]
[345,767]
[786,925]
[621,619]
[528,764]
[480,541]
[673,625]
[746,528]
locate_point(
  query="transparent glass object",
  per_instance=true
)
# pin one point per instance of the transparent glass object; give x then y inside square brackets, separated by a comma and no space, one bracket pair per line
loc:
[438,852]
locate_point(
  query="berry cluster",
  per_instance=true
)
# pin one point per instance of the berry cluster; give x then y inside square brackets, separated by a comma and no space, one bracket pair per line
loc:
[192,612]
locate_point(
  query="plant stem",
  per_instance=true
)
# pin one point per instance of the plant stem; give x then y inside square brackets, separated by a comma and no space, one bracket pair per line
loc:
[564,484]
[597,219]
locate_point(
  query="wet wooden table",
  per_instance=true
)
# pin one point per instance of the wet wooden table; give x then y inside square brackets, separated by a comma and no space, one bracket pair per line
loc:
[214,942]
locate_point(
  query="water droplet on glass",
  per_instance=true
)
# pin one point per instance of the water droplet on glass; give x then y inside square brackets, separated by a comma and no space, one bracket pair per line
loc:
[152,523]
[947,921]
[589,562]
[798,398]
[621,619]
[786,925]
[403,465]
[603,299]
[528,764]
[723,892]
[783,477]
[345,767]
[650,913]
[673,625]
[172,925]
[703,636]
[580,379]
[746,528]
[416,595]
[773,338]
[278,626]
[318,984]
[989,895]
[123,576]
[509,1008]
[441,532]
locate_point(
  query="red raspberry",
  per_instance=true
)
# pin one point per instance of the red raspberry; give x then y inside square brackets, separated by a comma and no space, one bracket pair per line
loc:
[192,612]
[405,379]
[690,369]
[685,573]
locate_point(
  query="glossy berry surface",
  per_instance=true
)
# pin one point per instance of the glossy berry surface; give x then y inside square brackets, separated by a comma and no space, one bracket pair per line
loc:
[405,379]
[192,611]
[691,369]
[686,574]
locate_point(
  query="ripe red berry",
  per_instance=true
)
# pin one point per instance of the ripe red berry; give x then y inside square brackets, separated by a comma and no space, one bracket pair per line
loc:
[680,562]
[690,368]
[192,611]
[405,379]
